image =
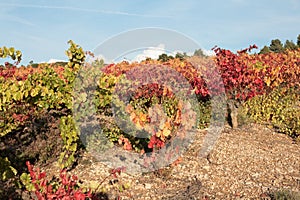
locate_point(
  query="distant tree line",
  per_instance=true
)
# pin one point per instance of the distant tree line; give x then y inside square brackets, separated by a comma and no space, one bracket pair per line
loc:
[165,57]
[277,46]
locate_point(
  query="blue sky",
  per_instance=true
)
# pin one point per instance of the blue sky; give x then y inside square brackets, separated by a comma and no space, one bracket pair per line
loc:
[41,29]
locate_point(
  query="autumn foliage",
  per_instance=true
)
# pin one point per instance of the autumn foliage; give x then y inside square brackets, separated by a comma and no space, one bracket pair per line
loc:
[260,83]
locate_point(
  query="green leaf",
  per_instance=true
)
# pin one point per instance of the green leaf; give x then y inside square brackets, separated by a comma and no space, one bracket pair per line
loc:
[34,92]
[26,181]
[73,147]
[83,97]
[5,50]
[11,51]
[17,96]
[6,170]
[18,54]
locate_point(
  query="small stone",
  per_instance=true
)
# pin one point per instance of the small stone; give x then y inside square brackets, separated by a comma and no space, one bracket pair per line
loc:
[249,183]
[206,176]
[206,167]
[147,186]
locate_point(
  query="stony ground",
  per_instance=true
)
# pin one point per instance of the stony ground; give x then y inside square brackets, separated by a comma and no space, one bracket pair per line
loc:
[246,163]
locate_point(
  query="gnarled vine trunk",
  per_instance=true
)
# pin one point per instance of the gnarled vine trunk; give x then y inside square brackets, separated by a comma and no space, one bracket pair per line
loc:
[233,113]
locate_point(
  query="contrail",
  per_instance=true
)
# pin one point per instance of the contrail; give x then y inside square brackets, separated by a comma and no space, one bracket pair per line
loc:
[84,10]
[15,19]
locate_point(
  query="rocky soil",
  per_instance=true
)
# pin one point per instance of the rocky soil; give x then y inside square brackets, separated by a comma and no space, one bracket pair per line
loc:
[246,163]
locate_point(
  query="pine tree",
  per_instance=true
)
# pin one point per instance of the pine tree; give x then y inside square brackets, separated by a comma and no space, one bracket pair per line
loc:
[264,50]
[290,45]
[199,53]
[276,46]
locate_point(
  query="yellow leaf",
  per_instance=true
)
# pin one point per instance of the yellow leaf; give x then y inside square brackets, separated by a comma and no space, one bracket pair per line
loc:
[143,117]
[268,81]
[168,124]
[138,125]
[166,132]
[158,134]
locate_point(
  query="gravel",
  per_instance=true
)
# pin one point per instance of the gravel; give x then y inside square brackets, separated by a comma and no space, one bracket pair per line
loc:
[246,163]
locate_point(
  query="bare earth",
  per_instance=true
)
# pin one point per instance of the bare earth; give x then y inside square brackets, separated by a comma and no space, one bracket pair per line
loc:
[246,163]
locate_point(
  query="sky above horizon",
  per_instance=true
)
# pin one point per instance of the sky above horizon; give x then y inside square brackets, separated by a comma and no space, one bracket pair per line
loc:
[41,29]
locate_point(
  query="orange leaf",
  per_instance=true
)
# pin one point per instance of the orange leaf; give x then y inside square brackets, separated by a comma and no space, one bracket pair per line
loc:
[178,117]
[129,108]
[143,117]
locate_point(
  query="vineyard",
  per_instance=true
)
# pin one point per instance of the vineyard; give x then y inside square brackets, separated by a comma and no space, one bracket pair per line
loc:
[45,109]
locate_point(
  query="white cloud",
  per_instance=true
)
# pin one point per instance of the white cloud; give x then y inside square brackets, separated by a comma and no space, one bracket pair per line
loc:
[154,52]
[52,60]
[190,53]
[151,52]
[208,52]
